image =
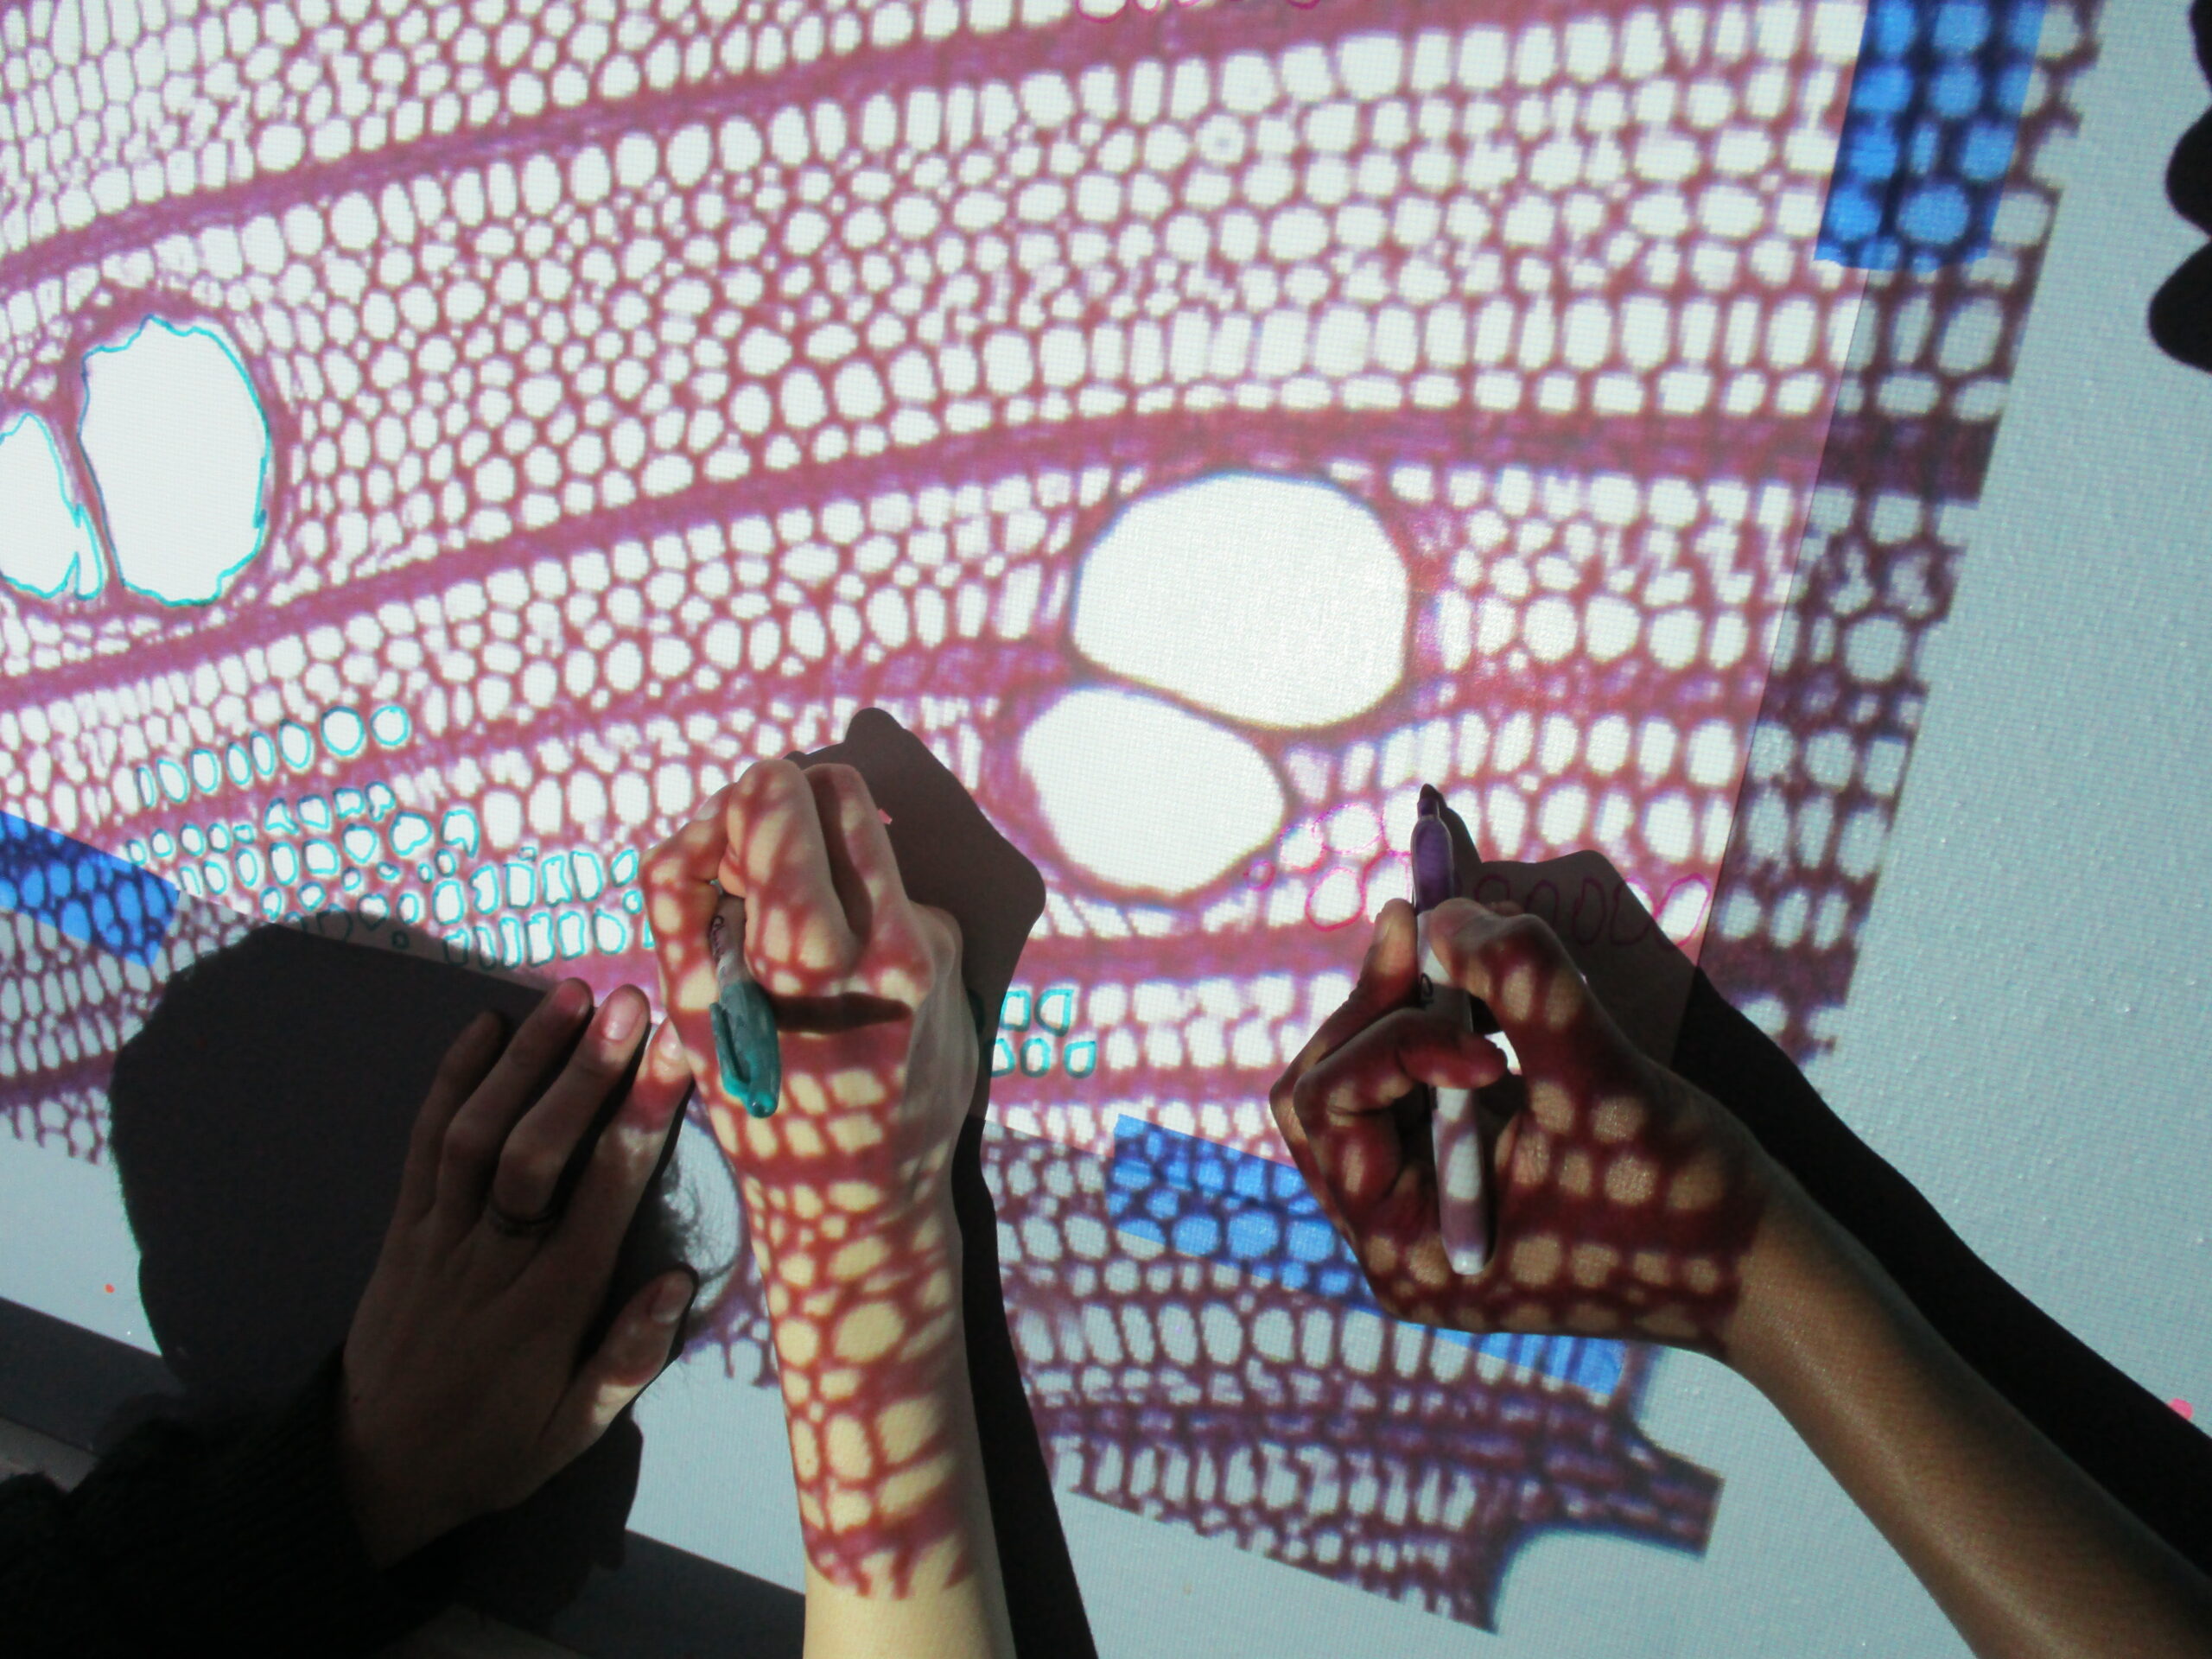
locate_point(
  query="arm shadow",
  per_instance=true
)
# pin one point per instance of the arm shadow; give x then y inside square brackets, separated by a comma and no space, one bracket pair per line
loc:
[2140,1450]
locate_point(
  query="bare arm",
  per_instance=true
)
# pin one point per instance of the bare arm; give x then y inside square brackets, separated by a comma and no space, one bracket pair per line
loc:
[2025,1555]
[848,1195]
[1630,1202]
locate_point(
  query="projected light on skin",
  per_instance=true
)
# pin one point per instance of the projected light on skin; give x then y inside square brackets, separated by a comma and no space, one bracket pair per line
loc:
[1410,1463]
[1590,448]
[1626,1201]
[845,1185]
[1381,1455]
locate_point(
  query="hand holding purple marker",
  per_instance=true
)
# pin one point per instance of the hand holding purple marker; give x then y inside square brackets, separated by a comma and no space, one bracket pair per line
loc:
[1462,1159]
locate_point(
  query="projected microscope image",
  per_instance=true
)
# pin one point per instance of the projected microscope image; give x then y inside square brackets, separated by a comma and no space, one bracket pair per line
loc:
[1201,426]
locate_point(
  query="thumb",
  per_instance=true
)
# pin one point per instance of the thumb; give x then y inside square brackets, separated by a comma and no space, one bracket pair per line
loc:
[640,1343]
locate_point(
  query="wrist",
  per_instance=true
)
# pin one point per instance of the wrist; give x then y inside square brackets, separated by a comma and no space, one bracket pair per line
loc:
[392,1523]
[871,1352]
[1803,1274]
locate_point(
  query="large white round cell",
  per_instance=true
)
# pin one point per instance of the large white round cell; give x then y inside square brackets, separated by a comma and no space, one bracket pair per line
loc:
[180,450]
[46,537]
[1277,601]
[1145,796]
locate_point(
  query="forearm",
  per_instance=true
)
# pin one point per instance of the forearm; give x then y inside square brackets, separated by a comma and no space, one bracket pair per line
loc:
[900,1555]
[2027,1555]
[955,1615]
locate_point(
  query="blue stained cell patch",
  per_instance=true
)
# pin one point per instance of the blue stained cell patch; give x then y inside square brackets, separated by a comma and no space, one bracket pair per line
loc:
[1201,1198]
[1928,135]
[87,893]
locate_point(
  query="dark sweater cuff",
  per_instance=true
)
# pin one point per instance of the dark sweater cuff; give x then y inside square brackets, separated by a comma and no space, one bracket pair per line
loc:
[265,1556]
[280,1493]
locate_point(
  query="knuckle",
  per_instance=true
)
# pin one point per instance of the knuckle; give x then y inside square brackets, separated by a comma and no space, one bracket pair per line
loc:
[944,930]
[465,1145]
[533,1168]
[597,1063]
[1526,940]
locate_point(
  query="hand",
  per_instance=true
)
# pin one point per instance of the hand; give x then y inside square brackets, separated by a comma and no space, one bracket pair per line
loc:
[1626,1201]
[846,1186]
[463,1391]
[879,1047]
[1638,973]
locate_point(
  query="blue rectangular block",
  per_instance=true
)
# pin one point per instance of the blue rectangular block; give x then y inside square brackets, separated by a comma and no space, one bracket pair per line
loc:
[1200,1198]
[1928,135]
[87,893]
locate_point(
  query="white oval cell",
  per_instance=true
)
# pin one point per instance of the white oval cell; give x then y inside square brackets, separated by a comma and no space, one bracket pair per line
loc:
[1277,601]
[45,536]
[1145,796]
[179,449]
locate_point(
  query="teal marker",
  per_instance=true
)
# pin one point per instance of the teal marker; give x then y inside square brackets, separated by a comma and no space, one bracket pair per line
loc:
[744,1021]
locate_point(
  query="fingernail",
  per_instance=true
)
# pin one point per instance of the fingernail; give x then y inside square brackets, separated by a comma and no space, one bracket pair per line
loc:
[571,998]
[621,1018]
[671,1299]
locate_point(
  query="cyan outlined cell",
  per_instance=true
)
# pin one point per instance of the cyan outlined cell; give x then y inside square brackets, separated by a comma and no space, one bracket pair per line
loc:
[1201,1198]
[180,450]
[48,546]
[1928,137]
[85,892]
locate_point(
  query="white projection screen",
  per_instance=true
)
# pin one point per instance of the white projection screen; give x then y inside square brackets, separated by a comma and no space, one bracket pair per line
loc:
[442,443]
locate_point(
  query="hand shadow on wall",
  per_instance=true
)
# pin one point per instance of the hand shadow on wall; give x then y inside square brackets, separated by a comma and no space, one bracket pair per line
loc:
[2181,311]
[259,1124]
[951,856]
[2137,1448]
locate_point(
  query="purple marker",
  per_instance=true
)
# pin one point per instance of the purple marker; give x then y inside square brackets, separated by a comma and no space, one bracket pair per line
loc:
[1462,1161]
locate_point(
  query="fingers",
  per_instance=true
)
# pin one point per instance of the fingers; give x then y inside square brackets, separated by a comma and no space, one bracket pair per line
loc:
[479,1130]
[1386,979]
[459,1073]
[798,931]
[681,895]
[640,1342]
[526,1186]
[1516,964]
[862,867]
[620,1168]
[1359,1145]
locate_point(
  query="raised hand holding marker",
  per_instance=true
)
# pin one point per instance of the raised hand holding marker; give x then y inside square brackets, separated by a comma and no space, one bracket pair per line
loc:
[1462,1159]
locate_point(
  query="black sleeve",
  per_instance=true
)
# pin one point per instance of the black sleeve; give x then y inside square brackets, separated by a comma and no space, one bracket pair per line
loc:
[191,1540]
[2141,1451]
